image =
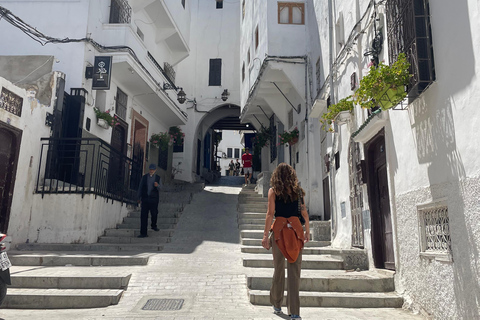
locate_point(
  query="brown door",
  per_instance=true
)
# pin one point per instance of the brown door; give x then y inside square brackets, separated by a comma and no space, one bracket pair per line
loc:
[117,164]
[326,199]
[9,147]
[382,232]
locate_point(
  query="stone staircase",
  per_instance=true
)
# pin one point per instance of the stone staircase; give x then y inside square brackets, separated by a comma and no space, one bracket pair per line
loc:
[329,277]
[56,276]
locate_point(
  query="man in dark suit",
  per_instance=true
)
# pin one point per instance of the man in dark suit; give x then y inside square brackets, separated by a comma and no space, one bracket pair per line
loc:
[148,196]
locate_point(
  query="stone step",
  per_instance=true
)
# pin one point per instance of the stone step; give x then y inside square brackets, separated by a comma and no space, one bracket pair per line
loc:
[60,298]
[258,243]
[253,215]
[21,258]
[135,232]
[152,239]
[160,220]
[335,299]
[136,225]
[255,234]
[252,207]
[328,281]
[259,222]
[251,227]
[161,214]
[252,199]
[183,197]
[105,247]
[69,277]
[308,262]
[306,250]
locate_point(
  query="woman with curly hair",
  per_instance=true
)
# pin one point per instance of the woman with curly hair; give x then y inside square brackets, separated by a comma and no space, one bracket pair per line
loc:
[286,204]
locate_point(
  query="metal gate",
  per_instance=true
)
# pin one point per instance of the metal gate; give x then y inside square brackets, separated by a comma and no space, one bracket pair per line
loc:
[356,196]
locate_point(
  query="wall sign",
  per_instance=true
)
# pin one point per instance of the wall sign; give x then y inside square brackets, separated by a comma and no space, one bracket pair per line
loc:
[102,73]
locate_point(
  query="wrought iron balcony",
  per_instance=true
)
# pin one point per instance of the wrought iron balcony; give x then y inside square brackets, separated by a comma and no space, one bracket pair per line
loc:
[120,11]
[87,166]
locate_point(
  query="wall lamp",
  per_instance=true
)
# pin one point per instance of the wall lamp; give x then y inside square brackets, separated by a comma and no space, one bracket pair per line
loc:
[225,95]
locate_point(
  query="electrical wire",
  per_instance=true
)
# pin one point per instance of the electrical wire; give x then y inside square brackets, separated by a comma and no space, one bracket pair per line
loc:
[28,75]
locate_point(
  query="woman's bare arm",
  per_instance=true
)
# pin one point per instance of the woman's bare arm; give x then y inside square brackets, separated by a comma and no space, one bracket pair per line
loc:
[269,218]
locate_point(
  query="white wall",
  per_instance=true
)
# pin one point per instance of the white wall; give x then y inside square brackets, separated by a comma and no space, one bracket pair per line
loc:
[230,139]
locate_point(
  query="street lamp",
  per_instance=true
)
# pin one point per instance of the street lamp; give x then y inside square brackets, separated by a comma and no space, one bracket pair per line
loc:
[225,95]
[181,96]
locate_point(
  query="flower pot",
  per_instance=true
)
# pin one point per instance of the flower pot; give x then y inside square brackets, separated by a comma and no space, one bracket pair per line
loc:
[102,123]
[343,117]
[390,98]
[293,141]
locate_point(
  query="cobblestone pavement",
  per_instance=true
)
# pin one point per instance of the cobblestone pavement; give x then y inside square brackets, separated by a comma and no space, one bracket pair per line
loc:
[203,266]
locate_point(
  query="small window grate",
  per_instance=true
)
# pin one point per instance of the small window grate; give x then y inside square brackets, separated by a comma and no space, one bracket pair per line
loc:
[163,304]
[120,12]
[435,228]
[11,102]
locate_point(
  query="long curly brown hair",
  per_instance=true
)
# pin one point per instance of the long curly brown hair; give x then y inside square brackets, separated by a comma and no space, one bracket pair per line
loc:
[285,183]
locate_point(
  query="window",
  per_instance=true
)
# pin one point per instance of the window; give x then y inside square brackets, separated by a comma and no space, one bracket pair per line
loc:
[215,78]
[291,13]
[121,104]
[120,11]
[243,72]
[290,119]
[248,57]
[140,34]
[11,102]
[434,228]
[409,31]
[237,153]
[256,37]
[219,4]
[183,4]
[337,160]
[229,152]
[317,73]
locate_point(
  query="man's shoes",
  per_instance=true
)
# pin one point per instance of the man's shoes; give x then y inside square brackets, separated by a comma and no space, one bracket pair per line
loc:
[142,236]
[155,229]
[295,316]
[277,310]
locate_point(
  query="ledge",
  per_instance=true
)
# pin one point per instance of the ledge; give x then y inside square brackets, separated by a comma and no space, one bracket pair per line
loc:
[374,123]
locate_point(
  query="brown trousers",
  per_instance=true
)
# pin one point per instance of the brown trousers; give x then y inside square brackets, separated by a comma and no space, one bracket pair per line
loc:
[293,280]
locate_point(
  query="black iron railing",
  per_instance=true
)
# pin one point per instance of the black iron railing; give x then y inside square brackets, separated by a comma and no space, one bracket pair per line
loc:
[87,166]
[120,11]
[11,102]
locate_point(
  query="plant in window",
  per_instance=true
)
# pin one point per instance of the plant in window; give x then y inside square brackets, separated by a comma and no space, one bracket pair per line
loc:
[384,86]
[345,104]
[262,138]
[177,135]
[161,140]
[110,120]
[290,137]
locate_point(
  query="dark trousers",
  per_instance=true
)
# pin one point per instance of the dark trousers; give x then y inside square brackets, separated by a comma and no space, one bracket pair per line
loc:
[152,206]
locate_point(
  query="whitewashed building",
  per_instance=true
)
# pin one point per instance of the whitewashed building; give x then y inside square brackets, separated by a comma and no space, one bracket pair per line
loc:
[401,183]
[114,55]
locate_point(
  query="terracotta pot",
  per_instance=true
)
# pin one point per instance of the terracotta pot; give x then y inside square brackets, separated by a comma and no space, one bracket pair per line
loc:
[293,141]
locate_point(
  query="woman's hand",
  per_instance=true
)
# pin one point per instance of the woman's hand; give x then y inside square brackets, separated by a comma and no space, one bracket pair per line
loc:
[306,236]
[266,242]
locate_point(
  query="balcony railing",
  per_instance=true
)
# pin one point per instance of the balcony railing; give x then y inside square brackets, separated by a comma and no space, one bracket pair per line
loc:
[87,166]
[120,11]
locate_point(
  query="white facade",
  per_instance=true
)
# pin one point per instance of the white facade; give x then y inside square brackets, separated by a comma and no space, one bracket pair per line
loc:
[230,148]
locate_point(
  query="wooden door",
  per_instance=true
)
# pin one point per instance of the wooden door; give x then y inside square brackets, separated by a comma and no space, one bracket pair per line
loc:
[117,164]
[326,199]
[382,230]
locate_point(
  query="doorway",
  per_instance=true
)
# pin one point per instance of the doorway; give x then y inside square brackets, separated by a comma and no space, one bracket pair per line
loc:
[139,146]
[9,150]
[382,230]
[117,163]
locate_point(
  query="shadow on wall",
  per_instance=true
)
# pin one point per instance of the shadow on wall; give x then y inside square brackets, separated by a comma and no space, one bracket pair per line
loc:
[434,132]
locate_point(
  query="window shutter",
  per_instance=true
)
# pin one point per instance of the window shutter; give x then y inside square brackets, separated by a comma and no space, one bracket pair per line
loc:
[215,77]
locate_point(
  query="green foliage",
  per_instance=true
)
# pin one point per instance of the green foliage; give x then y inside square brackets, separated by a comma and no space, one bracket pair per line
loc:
[161,140]
[109,119]
[384,85]
[177,135]
[289,136]
[262,138]
[345,104]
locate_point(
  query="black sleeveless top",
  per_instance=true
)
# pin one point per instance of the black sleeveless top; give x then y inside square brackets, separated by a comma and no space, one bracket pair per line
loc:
[285,210]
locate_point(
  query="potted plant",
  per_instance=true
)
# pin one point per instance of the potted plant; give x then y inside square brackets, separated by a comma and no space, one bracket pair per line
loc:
[105,119]
[335,111]
[161,140]
[384,85]
[177,135]
[262,138]
[290,137]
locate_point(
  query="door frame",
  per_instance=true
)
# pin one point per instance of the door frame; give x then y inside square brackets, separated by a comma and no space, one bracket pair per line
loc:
[377,220]
[7,202]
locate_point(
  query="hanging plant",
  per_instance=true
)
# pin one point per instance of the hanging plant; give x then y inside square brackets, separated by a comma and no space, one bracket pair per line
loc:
[384,86]
[345,104]
[177,135]
[161,140]
[262,138]
[290,137]
[110,120]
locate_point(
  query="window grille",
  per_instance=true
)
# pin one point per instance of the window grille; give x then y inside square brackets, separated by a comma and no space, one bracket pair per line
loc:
[169,71]
[291,13]
[11,102]
[229,152]
[219,4]
[121,104]
[409,31]
[434,228]
[120,11]
[273,139]
[215,77]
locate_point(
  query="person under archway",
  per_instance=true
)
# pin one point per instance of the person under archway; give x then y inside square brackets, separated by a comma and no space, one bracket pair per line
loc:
[247,165]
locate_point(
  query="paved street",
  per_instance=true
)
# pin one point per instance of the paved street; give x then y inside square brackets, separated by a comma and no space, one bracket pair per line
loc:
[203,266]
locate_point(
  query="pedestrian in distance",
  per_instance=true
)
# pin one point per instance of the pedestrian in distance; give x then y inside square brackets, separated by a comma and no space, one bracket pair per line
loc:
[231,167]
[237,168]
[286,237]
[148,196]
[247,165]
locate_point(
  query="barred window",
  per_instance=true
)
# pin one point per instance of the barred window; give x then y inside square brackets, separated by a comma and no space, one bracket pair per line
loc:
[121,104]
[120,11]
[291,13]
[434,229]
[11,102]
[409,32]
